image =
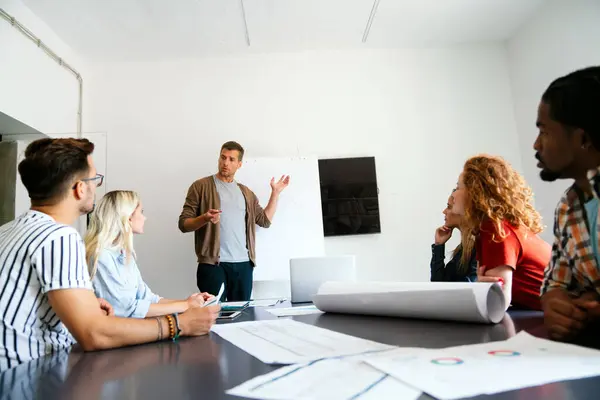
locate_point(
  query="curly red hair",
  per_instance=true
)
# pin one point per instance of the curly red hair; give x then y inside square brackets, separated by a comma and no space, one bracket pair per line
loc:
[495,192]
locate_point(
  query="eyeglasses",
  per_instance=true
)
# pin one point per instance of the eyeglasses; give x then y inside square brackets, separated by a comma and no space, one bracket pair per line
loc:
[99,178]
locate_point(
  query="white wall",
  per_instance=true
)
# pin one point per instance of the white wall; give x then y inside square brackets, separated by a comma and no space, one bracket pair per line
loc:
[420,113]
[33,88]
[562,37]
[22,200]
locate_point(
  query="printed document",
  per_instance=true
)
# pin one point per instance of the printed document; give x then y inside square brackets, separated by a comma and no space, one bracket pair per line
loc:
[285,341]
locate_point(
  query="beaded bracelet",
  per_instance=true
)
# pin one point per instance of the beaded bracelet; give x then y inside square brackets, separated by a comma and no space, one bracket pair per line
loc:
[171,322]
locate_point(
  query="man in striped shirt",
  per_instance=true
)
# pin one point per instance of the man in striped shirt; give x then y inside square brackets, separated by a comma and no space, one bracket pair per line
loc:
[568,147]
[46,297]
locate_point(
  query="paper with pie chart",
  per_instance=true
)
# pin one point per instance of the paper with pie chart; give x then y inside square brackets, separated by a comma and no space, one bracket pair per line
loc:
[465,371]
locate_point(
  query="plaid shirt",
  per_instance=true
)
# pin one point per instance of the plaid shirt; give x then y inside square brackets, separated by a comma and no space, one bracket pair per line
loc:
[573,266]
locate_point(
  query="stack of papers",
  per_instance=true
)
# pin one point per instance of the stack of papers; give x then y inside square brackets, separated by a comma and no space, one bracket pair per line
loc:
[234,305]
[331,365]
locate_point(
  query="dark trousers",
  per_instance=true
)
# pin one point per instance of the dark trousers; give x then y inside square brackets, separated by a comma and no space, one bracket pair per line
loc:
[236,276]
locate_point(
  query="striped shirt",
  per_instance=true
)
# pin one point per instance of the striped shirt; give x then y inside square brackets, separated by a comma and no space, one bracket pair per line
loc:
[42,378]
[573,266]
[37,255]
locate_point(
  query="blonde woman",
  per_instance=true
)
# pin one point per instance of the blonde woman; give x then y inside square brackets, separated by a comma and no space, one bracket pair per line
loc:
[111,259]
[456,270]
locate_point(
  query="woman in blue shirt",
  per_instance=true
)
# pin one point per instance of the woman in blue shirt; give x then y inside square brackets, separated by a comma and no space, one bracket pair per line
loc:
[111,259]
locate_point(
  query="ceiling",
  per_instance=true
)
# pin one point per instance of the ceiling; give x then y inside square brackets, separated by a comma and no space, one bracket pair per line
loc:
[119,30]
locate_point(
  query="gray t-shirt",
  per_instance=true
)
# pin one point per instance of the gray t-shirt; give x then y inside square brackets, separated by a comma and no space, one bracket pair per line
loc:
[233,222]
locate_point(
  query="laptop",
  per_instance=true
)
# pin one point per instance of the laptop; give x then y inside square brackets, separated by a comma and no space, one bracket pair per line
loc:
[307,274]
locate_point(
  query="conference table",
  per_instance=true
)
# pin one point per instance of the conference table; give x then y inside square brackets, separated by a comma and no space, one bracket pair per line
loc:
[205,367]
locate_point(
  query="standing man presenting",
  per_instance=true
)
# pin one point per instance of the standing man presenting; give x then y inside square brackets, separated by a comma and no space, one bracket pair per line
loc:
[223,215]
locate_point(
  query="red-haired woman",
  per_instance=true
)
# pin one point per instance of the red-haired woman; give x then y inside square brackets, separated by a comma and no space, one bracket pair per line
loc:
[496,206]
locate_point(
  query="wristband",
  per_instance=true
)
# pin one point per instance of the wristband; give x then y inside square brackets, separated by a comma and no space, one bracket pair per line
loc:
[177,327]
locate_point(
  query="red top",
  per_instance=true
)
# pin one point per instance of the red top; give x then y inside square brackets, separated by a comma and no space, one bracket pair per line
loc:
[525,252]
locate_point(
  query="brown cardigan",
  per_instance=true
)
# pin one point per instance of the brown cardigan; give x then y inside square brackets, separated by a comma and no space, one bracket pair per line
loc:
[201,197]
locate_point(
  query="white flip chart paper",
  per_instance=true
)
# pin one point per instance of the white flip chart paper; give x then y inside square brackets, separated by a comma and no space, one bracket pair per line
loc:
[469,302]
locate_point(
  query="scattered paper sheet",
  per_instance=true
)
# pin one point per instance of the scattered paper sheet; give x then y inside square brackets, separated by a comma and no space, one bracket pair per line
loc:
[466,371]
[235,303]
[285,341]
[469,302]
[264,302]
[253,303]
[291,311]
[217,298]
[329,379]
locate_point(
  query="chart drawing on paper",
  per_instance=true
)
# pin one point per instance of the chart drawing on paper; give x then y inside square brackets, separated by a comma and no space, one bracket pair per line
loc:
[504,353]
[464,371]
[447,361]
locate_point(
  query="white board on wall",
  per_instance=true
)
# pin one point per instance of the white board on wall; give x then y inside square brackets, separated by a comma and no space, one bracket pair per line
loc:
[297,229]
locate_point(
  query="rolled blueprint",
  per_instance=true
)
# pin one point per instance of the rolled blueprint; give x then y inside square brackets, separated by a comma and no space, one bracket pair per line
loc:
[454,301]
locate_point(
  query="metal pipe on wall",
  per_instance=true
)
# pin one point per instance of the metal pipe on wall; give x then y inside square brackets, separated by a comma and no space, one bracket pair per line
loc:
[21,28]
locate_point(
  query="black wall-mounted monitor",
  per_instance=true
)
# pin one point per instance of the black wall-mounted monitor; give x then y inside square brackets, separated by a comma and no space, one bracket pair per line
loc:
[349,196]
